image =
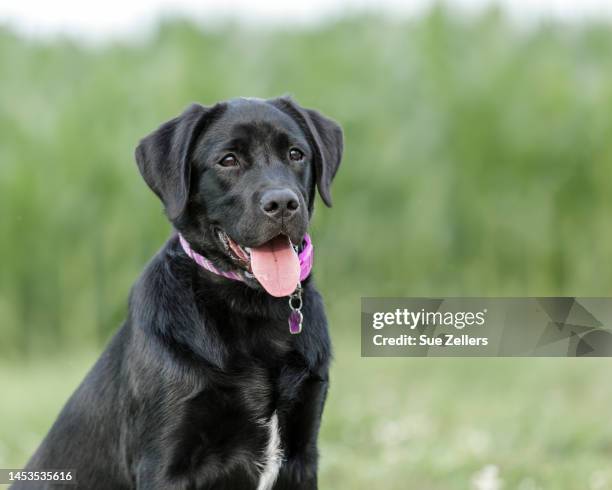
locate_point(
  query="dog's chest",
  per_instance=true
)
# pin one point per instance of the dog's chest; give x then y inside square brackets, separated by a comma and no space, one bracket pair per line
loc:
[239,420]
[272,459]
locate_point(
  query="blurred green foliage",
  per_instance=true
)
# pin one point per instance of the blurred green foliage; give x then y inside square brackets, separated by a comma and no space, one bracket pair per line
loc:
[478,158]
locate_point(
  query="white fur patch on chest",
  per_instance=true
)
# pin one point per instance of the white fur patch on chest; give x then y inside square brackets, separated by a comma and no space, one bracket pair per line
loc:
[273,456]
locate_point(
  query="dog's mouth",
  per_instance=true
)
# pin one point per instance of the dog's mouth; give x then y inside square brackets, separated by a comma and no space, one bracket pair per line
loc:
[275,264]
[240,255]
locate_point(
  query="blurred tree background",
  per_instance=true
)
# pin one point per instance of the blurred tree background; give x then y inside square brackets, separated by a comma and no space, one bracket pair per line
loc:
[478,162]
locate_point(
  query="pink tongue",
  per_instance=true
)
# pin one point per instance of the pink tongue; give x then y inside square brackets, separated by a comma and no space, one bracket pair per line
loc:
[276,266]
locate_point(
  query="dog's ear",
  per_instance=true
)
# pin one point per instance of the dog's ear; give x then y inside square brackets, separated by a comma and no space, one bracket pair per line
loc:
[163,157]
[326,138]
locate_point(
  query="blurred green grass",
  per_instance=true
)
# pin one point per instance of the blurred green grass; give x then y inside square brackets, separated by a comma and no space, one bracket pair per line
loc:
[478,162]
[431,424]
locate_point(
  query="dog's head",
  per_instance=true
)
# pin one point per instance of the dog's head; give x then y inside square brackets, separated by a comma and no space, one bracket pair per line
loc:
[238,180]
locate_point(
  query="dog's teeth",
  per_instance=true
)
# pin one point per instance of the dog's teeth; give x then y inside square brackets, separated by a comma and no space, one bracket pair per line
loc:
[223,238]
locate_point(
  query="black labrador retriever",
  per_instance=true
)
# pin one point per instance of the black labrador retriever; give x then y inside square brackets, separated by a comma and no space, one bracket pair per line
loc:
[205,386]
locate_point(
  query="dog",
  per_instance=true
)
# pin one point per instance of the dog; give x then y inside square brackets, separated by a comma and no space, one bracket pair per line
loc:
[218,377]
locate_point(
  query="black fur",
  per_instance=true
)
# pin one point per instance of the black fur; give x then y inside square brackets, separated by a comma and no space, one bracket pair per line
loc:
[177,399]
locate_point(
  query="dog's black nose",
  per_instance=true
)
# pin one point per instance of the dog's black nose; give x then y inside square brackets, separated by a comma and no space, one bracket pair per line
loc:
[278,203]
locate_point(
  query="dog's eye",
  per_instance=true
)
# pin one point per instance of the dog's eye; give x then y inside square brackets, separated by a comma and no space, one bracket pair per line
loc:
[229,161]
[296,155]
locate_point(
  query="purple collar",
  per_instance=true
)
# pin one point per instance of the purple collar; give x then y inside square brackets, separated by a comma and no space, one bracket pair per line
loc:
[295,299]
[306,258]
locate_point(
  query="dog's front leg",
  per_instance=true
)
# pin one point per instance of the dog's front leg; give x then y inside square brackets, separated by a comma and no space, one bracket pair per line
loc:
[294,476]
[150,476]
[299,470]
